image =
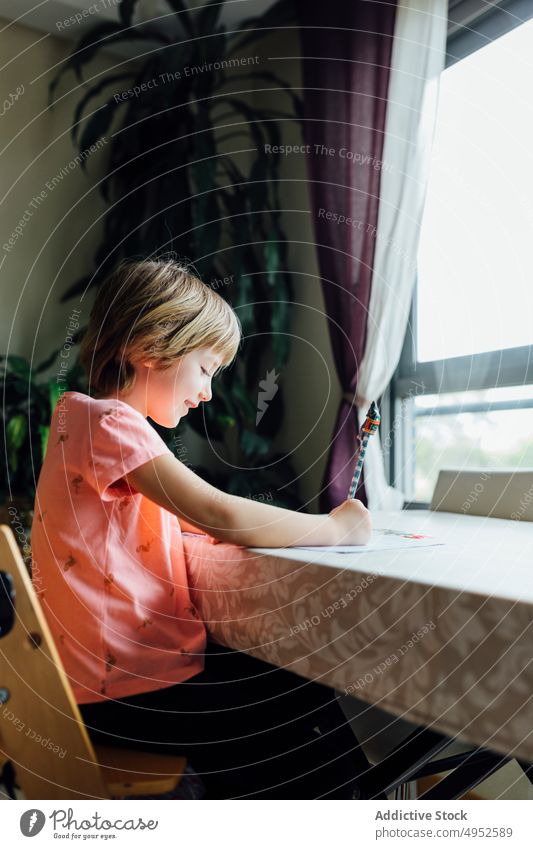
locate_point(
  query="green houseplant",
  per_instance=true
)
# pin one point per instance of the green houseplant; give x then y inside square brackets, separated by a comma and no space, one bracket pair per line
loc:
[171,184]
[29,399]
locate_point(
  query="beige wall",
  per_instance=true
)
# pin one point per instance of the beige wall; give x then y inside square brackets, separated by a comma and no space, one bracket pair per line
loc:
[60,235]
[309,382]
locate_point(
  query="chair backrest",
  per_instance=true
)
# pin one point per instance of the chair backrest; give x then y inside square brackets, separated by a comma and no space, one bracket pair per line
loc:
[41,729]
[503,494]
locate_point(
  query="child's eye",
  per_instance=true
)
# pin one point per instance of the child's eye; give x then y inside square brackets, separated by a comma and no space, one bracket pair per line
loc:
[204,371]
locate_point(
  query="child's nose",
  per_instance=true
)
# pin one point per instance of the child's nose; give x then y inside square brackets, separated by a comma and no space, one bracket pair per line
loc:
[206,396]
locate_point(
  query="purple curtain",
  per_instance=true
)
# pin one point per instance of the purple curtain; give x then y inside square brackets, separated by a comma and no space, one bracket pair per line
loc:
[346,51]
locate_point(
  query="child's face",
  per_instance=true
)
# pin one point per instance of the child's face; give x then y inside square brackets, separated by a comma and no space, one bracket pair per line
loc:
[170,392]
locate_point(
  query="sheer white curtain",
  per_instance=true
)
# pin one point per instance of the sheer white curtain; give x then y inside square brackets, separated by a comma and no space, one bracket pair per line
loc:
[417,61]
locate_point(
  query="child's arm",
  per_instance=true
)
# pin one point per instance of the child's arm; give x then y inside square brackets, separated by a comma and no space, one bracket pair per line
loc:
[243,521]
[189,528]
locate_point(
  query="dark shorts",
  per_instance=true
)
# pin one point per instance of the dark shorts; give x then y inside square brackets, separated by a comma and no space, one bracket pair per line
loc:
[249,729]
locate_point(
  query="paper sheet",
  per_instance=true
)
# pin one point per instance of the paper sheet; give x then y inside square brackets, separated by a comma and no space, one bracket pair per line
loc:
[383,539]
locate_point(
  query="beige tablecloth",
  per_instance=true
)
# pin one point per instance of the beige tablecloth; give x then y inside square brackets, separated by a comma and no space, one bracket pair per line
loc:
[415,633]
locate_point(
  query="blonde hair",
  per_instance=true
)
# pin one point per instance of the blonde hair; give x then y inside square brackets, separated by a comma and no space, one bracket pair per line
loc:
[153,310]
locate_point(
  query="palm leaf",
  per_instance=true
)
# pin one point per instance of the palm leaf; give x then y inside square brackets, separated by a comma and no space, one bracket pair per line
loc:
[126,10]
[93,92]
[208,16]
[16,431]
[54,394]
[77,288]
[182,10]
[74,61]
[47,363]
[279,15]
[19,366]
[268,76]
[97,127]
[253,445]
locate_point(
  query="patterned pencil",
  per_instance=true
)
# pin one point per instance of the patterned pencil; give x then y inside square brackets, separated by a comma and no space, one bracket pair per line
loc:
[369,427]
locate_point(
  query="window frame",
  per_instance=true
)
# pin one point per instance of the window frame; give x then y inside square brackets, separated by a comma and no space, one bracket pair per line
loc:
[471,25]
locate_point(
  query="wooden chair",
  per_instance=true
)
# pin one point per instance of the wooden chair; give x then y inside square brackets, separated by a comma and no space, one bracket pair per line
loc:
[42,732]
[492,492]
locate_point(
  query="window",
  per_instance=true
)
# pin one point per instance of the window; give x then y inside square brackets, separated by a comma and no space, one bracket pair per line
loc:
[462,396]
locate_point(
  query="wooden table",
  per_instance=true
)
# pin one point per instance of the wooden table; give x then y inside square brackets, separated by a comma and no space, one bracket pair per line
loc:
[439,636]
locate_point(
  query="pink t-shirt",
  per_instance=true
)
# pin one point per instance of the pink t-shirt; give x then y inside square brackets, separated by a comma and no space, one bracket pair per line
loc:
[108,563]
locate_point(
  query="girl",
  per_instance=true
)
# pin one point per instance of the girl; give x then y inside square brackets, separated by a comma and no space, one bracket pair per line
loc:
[111,504]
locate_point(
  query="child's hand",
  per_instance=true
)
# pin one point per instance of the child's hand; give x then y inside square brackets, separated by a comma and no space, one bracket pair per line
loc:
[352,521]
[212,540]
[189,528]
